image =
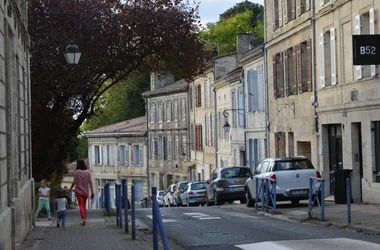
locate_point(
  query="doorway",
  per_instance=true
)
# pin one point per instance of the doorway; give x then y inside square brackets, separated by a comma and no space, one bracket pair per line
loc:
[357,160]
[335,152]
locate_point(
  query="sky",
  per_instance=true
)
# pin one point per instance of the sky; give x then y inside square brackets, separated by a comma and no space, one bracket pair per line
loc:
[210,10]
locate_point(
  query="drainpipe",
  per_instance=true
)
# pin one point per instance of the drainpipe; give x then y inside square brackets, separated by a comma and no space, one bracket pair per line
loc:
[147,148]
[188,122]
[216,123]
[315,104]
[266,87]
[245,120]
[195,151]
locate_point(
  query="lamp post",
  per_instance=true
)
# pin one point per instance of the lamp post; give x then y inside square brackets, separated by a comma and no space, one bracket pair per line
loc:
[72,54]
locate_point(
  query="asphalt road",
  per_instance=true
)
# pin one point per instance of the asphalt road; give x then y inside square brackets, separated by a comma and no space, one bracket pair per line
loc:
[218,228]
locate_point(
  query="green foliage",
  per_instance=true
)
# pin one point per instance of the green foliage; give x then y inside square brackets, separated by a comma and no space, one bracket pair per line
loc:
[241,7]
[122,102]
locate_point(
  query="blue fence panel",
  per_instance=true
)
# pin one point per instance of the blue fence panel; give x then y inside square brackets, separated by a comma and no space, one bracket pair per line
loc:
[154,218]
[126,206]
[266,189]
[315,198]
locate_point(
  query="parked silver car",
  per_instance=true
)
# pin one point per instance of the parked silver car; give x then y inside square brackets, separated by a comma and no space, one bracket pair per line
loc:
[194,193]
[169,196]
[160,198]
[227,184]
[177,194]
[292,176]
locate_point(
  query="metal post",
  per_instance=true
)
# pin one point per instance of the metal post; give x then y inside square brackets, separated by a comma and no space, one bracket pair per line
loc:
[126,207]
[120,205]
[257,193]
[161,227]
[323,200]
[107,198]
[262,194]
[348,193]
[154,218]
[133,212]
[267,194]
[310,197]
[274,196]
[117,205]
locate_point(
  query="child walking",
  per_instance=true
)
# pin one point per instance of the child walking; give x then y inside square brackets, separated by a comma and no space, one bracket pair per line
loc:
[43,201]
[61,207]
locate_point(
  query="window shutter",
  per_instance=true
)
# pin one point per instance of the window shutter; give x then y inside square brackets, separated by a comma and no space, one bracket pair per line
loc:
[164,111]
[141,155]
[286,11]
[274,24]
[100,155]
[282,73]
[249,90]
[286,74]
[93,155]
[280,13]
[105,155]
[322,2]
[294,62]
[132,156]
[118,155]
[255,94]
[200,96]
[274,77]
[299,8]
[276,138]
[309,66]
[322,58]
[299,69]
[111,155]
[293,9]
[260,88]
[372,31]
[333,56]
[126,155]
[307,5]
[358,68]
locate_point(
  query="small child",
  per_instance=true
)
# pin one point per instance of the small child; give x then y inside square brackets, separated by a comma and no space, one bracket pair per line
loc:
[43,201]
[61,207]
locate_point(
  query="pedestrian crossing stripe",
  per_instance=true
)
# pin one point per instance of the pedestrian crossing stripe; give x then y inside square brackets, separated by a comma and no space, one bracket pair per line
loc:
[163,220]
[202,216]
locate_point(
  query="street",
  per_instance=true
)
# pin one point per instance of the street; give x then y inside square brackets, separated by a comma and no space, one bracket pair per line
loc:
[219,228]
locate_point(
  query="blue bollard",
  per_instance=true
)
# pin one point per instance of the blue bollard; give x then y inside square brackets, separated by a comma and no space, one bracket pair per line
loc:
[154,218]
[310,197]
[262,194]
[133,213]
[117,205]
[160,223]
[107,198]
[323,200]
[126,207]
[120,214]
[267,195]
[348,195]
[274,197]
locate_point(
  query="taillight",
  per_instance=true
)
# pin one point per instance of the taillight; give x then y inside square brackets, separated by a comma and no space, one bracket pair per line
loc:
[178,192]
[273,177]
[190,192]
[318,174]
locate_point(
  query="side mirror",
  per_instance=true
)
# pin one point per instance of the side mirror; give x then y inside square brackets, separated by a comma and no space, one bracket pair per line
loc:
[208,181]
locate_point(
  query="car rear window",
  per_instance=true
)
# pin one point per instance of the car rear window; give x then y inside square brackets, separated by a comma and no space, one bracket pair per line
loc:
[235,172]
[293,165]
[182,186]
[198,186]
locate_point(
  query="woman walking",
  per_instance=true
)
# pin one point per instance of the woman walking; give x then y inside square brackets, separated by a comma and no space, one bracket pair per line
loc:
[82,180]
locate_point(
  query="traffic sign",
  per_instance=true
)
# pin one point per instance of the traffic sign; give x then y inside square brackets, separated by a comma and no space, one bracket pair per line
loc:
[366,49]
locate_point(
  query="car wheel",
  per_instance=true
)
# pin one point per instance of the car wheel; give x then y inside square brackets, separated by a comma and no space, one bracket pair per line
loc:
[295,202]
[248,199]
[217,201]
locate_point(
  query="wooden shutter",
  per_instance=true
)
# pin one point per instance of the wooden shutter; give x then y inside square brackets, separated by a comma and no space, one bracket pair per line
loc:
[280,13]
[201,136]
[294,63]
[309,66]
[132,156]
[249,90]
[276,139]
[299,68]
[286,11]
[274,76]
[199,96]
[111,155]
[141,155]
[118,155]
[282,74]
[93,156]
[322,60]
[372,31]
[333,56]
[286,74]
[358,68]
[274,21]
[254,96]
[126,155]
[293,9]
[105,155]
[307,5]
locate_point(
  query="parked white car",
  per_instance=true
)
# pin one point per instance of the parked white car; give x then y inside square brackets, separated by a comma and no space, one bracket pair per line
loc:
[169,199]
[160,198]
[292,176]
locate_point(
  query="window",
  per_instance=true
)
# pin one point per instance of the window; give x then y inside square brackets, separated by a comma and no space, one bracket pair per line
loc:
[162,181]
[365,24]
[220,125]
[303,6]
[304,66]
[198,96]
[168,111]
[123,155]
[154,182]
[160,112]
[212,129]
[176,147]
[165,147]
[207,141]
[235,172]
[328,73]
[280,144]
[206,93]
[175,110]
[290,76]
[136,155]
[153,113]
[169,146]
[278,76]
[233,95]
[198,137]
[290,10]
[154,148]
[323,2]
[191,97]
[161,147]
[183,146]
[183,109]
[236,159]
[293,165]
[254,153]
[276,14]
[192,137]
[98,155]
[240,111]
[211,92]
[255,89]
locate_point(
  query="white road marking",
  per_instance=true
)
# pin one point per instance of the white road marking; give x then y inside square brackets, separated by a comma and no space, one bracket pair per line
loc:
[195,214]
[163,220]
[202,216]
[209,218]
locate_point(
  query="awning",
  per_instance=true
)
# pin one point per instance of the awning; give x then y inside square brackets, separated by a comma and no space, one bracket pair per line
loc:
[189,163]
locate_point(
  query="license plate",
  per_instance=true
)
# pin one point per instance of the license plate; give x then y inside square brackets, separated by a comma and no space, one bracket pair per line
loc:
[299,192]
[202,193]
[237,189]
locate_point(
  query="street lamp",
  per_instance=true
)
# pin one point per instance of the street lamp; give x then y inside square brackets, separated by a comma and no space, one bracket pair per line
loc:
[183,149]
[227,126]
[72,53]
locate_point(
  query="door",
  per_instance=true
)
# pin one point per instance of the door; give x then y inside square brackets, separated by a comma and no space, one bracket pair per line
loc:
[360,159]
[335,152]
[138,189]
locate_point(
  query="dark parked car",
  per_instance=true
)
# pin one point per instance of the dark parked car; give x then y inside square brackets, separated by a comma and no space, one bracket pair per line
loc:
[177,194]
[227,184]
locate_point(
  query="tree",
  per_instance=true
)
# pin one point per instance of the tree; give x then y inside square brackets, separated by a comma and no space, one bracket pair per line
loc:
[116,39]
[257,9]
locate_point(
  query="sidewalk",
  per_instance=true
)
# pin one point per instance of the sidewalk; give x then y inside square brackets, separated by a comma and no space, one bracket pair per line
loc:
[365,218]
[99,233]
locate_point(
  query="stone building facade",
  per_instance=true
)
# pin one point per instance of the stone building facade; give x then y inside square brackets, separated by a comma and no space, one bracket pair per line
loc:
[16,182]
[348,96]
[117,152]
[168,122]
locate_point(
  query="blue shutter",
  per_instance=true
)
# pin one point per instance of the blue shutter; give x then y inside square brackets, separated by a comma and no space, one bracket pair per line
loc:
[249,85]
[255,92]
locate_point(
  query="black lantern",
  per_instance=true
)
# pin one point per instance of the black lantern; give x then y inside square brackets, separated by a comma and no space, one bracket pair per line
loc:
[226,127]
[72,53]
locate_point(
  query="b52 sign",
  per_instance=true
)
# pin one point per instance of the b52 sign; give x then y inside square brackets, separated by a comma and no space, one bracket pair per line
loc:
[366,49]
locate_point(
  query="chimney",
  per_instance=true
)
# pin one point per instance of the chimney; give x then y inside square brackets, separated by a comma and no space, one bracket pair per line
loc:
[161,80]
[243,43]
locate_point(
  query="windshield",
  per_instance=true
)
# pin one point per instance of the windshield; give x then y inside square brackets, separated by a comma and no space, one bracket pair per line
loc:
[182,186]
[198,186]
[161,193]
[235,172]
[293,165]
